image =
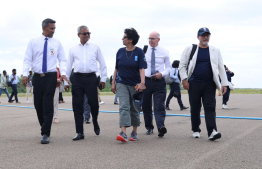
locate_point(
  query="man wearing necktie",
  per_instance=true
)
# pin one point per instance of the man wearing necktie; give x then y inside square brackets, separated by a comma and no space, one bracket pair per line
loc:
[41,56]
[158,66]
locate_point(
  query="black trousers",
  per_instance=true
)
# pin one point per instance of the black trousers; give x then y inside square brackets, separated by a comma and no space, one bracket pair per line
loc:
[61,96]
[206,92]
[157,89]
[84,85]
[174,87]
[226,96]
[44,90]
[14,92]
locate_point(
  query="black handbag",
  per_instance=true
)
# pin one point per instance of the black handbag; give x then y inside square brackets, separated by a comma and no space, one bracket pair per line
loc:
[9,84]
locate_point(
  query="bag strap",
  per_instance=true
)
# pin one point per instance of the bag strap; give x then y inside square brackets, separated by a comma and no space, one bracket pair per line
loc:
[145,48]
[191,55]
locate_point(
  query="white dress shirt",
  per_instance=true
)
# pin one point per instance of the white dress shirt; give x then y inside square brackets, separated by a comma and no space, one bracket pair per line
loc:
[84,59]
[34,56]
[162,61]
[15,81]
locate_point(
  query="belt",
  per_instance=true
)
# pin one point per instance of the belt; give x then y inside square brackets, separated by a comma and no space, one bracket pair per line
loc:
[44,74]
[84,74]
[151,78]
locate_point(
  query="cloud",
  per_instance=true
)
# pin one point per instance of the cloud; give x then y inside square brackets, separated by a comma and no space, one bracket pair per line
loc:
[235,28]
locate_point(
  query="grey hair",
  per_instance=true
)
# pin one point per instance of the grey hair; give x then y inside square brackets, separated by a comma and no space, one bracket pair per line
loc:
[81,27]
[47,21]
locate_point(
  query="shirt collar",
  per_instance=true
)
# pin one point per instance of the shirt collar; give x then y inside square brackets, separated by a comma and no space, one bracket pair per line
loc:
[43,37]
[155,47]
[87,43]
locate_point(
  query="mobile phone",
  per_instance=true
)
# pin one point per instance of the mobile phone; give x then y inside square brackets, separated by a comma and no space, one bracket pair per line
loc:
[100,86]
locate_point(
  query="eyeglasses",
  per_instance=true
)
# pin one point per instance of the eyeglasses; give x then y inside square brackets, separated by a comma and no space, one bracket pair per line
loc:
[207,35]
[86,33]
[124,37]
[152,39]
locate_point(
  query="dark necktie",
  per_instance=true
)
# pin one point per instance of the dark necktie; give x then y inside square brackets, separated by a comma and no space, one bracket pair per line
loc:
[153,63]
[44,66]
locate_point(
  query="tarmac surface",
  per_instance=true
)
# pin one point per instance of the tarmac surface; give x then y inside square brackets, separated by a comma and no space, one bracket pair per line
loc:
[239,147]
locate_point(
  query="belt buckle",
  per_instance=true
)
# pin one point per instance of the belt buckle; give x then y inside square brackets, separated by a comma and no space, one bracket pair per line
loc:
[42,75]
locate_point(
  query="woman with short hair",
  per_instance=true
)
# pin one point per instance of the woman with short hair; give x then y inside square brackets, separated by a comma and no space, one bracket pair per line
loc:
[129,72]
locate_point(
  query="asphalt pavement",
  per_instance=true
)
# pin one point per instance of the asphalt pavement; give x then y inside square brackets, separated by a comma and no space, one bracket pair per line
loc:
[239,147]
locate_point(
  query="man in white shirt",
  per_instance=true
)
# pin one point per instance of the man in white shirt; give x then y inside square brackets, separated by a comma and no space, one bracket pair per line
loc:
[14,80]
[41,55]
[200,76]
[84,57]
[158,66]
[3,86]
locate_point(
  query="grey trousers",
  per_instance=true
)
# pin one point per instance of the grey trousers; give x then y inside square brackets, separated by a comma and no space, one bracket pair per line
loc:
[129,114]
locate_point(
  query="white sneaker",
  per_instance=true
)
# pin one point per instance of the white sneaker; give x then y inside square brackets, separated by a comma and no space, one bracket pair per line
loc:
[101,102]
[214,135]
[196,135]
[27,101]
[224,106]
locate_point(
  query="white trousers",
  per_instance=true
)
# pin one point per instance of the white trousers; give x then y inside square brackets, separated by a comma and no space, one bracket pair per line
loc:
[29,90]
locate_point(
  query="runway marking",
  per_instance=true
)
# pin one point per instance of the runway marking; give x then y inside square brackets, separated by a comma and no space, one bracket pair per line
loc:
[181,115]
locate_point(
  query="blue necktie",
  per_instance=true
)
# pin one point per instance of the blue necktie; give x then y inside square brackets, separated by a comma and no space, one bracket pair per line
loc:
[44,67]
[153,64]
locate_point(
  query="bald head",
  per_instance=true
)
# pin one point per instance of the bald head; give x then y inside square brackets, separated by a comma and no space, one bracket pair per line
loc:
[155,34]
[154,38]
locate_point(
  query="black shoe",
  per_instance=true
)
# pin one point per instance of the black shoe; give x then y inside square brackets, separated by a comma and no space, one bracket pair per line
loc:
[167,108]
[116,102]
[45,139]
[162,131]
[182,108]
[96,127]
[149,132]
[87,121]
[79,136]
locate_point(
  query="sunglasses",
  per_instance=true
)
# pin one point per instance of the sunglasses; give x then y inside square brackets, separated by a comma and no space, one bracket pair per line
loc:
[124,37]
[86,33]
[207,35]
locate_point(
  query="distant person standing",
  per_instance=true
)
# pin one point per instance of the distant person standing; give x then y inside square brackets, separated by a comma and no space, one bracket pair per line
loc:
[158,66]
[175,86]
[29,86]
[14,80]
[226,95]
[3,86]
[42,55]
[200,77]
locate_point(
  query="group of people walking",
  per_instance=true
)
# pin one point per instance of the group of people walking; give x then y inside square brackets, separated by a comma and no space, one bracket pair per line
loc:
[138,79]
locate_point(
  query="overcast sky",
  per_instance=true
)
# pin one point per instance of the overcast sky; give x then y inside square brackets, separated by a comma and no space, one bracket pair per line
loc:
[235,27]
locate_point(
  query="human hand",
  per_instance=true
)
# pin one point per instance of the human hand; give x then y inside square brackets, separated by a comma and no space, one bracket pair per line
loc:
[157,75]
[185,84]
[113,88]
[140,87]
[224,89]
[103,84]
[25,80]
[63,77]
